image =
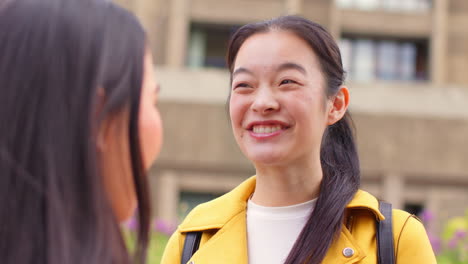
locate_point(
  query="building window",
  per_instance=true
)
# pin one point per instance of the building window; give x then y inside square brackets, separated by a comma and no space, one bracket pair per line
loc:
[189,200]
[208,45]
[387,5]
[368,59]
[414,208]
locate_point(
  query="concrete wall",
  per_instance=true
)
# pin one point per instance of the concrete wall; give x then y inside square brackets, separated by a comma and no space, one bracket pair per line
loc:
[425,149]
[458,42]
[235,12]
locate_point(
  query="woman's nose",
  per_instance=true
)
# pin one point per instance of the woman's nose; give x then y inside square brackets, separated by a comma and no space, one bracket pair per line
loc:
[265,101]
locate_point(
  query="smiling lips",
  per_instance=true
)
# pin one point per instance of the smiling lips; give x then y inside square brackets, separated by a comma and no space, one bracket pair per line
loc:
[266,129]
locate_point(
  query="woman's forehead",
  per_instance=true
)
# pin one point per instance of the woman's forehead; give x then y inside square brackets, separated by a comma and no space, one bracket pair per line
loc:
[275,50]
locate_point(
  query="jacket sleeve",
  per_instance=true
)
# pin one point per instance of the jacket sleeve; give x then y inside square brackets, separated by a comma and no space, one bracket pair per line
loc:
[173,250]
[412,244]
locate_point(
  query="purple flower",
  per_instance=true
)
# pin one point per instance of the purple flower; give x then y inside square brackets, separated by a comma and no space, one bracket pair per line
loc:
[163,227]
[460,234]
[452,244]
[435,242]
[426,216]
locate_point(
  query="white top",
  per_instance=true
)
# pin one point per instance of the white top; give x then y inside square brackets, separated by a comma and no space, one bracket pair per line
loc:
[272,231]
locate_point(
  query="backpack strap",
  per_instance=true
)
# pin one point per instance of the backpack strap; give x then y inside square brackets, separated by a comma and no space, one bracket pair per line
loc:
[191,244]
[385,250]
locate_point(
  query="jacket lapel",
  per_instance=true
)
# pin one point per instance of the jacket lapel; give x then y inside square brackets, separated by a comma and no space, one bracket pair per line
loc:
[227,246]
[345,250]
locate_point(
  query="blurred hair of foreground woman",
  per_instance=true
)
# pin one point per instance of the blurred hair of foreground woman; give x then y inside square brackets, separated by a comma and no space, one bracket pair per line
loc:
[78,131]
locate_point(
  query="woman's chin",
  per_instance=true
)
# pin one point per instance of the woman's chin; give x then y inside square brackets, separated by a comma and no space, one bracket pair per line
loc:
[267,159]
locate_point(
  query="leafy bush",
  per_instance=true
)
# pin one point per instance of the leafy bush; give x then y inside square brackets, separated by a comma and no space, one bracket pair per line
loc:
[451,246]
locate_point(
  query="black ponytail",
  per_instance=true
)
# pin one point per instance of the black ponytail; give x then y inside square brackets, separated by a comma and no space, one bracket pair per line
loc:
[341,177]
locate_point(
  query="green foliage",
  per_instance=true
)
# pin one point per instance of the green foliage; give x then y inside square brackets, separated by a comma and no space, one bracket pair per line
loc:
[156,247]
[452,246]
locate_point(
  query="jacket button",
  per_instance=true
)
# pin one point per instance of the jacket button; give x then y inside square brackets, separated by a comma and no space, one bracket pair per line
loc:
[191,262]
[348,252]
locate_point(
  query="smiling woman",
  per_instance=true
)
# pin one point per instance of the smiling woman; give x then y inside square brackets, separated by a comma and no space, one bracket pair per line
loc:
[289,114]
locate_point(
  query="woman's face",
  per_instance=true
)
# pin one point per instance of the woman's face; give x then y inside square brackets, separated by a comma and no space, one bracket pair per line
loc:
[115,149]
[278,106]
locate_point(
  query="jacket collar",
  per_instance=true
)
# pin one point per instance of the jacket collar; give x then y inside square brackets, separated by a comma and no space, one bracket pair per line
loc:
[215,214]
[366,201]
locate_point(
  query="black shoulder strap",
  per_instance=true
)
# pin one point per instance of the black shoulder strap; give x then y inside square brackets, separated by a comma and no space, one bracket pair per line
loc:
[385,251]
[191,244]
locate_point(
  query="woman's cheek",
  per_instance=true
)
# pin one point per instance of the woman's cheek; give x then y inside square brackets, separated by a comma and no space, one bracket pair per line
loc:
[236,110]
[151,135]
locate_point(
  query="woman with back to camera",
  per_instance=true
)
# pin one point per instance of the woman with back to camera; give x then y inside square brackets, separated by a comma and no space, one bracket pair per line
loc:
[78,130]
[289,113]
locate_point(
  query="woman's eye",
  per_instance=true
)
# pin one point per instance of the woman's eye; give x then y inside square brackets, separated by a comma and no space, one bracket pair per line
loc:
[241,85]
[287,81]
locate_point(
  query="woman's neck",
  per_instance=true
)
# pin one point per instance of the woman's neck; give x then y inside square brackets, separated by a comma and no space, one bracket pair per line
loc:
[288,184]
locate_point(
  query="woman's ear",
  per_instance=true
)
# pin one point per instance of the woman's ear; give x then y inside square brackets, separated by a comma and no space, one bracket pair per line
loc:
[339,105]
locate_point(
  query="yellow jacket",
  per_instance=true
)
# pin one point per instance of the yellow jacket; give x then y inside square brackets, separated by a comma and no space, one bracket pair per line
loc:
[224,239]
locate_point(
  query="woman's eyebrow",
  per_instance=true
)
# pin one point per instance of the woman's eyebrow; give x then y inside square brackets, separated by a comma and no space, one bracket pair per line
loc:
[241,70]
[291,66]
[281,67]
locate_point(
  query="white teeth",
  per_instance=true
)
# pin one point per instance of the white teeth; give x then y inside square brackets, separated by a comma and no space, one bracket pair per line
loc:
[266,129]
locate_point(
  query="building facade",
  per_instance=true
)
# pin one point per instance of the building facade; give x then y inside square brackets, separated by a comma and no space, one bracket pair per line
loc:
[407,63]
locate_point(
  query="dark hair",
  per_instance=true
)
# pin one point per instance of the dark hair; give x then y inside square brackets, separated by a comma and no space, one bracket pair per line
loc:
[338,154]
[55,56]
